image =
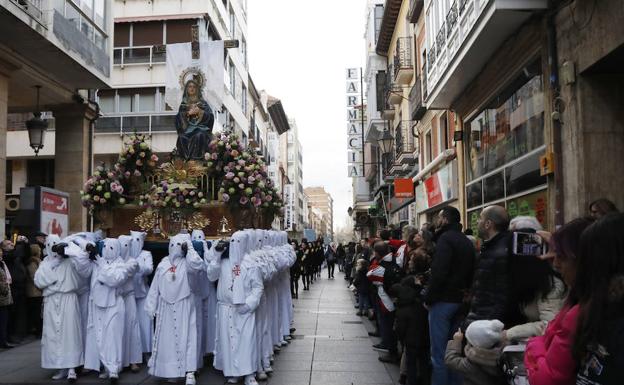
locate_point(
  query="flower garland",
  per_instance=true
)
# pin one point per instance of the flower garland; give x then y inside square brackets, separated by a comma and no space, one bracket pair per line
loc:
[102,190]
[170,195]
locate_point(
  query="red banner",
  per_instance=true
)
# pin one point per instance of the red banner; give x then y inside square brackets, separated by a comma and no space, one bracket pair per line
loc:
[53,203]
[434,195]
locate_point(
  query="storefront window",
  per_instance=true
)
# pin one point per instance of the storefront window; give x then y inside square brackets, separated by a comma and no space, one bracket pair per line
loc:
[474,196]
[524,175]
[511,125]
[493,188]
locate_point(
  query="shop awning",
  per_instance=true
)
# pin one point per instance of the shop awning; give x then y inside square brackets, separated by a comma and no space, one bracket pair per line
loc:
[136,19]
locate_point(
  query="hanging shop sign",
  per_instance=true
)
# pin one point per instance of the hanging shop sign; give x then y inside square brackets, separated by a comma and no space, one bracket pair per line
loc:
[403,188]
[54,208]
[355,110]
[439,188]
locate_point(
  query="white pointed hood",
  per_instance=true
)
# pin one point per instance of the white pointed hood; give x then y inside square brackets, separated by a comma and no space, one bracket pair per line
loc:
[198,235]
[138,241]
[52,240]
[125,244]
[111,249]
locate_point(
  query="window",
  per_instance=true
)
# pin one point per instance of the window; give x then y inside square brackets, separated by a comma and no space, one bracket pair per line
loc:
[510,126]
[106,100]
[9,176]
[232,24]
[126,101]
[428,147]
[179,31]
[147,100]
[122,35]
[147,33]
[244,51]
[244,99]
[379,11]
[232,73]
[443,133]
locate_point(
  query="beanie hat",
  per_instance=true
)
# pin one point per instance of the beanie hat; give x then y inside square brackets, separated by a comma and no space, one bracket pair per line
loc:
[484,333]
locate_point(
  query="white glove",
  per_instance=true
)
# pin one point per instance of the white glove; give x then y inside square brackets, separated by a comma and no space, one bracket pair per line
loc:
[243,309]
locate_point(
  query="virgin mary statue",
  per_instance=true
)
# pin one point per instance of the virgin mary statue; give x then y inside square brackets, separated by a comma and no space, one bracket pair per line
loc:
[194,123]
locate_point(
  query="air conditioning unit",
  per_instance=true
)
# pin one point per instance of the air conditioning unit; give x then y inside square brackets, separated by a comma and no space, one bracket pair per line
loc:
[12,203]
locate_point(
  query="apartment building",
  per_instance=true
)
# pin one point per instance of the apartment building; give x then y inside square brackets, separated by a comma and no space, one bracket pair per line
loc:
[322,208]
[63,48]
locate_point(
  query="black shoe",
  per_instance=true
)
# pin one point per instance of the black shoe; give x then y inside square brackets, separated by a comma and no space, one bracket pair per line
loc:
[381,348]
[292,330]
[373,334]
[391,358]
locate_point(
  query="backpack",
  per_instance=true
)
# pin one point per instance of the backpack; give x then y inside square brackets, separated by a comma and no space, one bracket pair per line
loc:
[393,274]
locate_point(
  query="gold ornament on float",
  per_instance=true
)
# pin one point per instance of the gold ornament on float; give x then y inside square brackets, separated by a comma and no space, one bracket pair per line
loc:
[197,221]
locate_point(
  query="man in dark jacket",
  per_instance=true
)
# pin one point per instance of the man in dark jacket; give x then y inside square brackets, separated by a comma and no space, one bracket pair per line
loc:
[490,289]
[451,275]
[15,257]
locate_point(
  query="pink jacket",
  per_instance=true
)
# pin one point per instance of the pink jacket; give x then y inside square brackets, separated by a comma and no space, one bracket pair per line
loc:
[548,358]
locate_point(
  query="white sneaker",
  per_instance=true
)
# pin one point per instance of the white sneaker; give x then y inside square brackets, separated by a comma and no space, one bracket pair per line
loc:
[284,343]
[113,377]
[262,376]
[103,375]
[232,380]
[71,376]
[60,374]
[268,369]
[190,379]
[288,338]
[251,380]
[277,348]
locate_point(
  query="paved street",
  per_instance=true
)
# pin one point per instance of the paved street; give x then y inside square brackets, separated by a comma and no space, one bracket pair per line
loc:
[331,347]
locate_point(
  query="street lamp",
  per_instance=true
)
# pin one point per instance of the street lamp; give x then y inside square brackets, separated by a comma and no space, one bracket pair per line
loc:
[36,128]
[385,142]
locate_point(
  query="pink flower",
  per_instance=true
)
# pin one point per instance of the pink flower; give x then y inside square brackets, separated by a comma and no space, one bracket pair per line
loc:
[244,200]
[139,162]
[102,201]
[229,175]
[251,180]
[154,158]
[214,156]
[241,186]
[127,174]
[241,162]
[269,198]
[137,173]
[225,197]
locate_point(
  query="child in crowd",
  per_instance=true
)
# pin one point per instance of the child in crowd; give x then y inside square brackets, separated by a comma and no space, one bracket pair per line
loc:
[362,285]
[479,365]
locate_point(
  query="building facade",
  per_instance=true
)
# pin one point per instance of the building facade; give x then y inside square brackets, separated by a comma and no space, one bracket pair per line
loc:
[493,102]
[322,208]
[292,161]
[65,48]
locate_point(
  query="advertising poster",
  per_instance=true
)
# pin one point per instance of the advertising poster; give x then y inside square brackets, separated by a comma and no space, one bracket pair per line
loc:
[54,212]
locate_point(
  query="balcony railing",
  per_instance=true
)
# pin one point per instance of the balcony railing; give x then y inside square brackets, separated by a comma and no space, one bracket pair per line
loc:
[142,123]
[148,54]
[392,95]
[417,108]
[416,7]
[424,82]
[32,7]
[440,40]
[431,58]
[451,19]
[403,63]
[403,141]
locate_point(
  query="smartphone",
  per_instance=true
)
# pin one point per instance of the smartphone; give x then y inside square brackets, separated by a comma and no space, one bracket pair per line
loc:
[530,244]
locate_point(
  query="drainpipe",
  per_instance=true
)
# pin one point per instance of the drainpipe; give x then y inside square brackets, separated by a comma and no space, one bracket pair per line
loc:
[556,123]
[91,102]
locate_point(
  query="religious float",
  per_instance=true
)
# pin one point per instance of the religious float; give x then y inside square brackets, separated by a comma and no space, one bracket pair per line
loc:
[209,182]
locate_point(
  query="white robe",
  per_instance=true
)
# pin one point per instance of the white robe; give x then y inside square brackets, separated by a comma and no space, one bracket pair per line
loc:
[172,300]
[146,325]
[62,340]
[107,311]
[236,346]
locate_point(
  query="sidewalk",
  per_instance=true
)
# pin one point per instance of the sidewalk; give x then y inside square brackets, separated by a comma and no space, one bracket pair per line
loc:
[331,347]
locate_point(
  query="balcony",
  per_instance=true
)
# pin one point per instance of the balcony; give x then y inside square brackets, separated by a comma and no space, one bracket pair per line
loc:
[417,107]
[403,63]
[393,92]
[416,7]
[142,123]
[472,32]
[148,54]
[404,145]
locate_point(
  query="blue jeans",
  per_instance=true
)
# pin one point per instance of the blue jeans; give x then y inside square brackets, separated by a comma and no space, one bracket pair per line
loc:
[442,326]
[364,302]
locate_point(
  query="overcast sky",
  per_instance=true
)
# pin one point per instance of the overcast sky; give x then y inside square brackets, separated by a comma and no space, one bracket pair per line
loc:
[298,52]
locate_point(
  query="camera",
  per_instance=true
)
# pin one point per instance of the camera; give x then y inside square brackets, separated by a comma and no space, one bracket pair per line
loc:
[529,244]
[221,245]
[59,249]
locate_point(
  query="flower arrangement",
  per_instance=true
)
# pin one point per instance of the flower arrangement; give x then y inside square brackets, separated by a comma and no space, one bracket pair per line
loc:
[223,149]
[170,195]
[137,158]
[102,190]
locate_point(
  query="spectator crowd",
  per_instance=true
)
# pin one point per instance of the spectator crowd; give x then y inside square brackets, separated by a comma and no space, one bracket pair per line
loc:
[513,304]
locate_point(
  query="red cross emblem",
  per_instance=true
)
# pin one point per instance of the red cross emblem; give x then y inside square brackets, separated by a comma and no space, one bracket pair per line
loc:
[173,269]
[236,270]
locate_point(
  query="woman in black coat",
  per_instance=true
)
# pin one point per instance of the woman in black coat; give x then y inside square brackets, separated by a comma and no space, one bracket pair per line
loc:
[295,270]
[412,325]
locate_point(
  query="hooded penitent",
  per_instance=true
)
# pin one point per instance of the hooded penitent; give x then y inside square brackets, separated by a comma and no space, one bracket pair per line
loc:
[125,244]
